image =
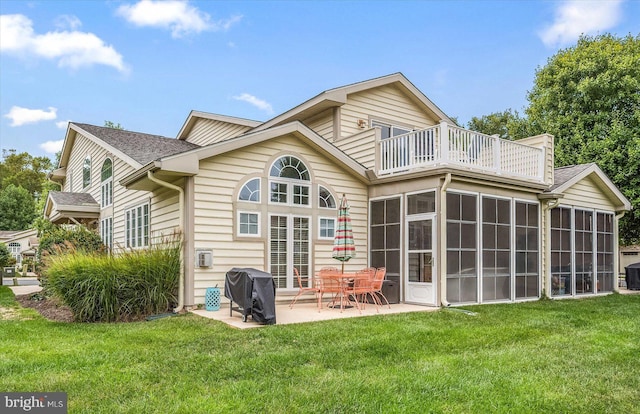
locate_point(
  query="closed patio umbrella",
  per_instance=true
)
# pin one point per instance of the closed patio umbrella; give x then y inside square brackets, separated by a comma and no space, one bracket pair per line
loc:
[343,246]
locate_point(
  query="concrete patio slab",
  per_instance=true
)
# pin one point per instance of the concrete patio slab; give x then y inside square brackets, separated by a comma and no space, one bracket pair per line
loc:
[308,312]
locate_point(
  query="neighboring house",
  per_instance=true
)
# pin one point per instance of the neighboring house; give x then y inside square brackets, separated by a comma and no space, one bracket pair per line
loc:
[628,255]
[455,216]
[22,244]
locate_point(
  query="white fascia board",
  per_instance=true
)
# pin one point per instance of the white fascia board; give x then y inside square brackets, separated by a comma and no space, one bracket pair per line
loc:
[194,115]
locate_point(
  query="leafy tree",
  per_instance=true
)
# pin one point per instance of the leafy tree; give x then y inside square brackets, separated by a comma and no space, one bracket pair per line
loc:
[110,124]
[507,124]
[5,255]
[25,171]
[17,208]
[588,97]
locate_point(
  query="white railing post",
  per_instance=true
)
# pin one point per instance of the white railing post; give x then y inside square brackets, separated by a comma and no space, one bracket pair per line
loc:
[444,141]
[497,149]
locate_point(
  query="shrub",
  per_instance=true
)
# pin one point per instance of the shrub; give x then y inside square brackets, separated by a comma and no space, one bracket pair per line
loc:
[5,255]
[104,288]
[56,239]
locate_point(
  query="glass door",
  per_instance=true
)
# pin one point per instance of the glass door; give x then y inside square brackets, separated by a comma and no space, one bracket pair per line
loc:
[421,270]
[289,246]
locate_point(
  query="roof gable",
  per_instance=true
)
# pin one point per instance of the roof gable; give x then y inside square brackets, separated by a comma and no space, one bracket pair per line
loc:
[195,115]
[338,97]
[566,177]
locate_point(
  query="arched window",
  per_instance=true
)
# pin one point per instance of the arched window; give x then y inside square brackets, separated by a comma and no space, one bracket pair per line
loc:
[289,182]
[106,176]
[86,172]
[250,191]
[325,199]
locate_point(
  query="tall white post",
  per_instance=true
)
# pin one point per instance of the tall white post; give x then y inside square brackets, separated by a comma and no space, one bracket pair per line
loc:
[443,143]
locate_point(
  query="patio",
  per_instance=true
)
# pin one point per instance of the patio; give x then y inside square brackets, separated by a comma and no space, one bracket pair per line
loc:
[307,311]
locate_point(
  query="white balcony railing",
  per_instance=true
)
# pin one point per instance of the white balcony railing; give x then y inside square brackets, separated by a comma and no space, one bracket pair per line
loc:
[445,144]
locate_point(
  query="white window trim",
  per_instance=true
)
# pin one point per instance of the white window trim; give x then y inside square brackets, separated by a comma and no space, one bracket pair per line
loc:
[104,183]
[290,183]
[107,237]
[130,237]
[259,191]
[335,201]
[239,234]
[320,218]
[88,157]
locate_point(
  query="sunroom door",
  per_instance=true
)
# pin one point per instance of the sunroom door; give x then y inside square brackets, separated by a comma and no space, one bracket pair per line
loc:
[289,246]
[421,270]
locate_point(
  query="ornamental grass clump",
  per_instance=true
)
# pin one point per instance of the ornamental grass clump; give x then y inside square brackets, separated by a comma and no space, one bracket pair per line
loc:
[110,288]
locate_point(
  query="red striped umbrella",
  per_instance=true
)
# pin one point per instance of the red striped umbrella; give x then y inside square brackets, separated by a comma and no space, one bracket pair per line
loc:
[343,246]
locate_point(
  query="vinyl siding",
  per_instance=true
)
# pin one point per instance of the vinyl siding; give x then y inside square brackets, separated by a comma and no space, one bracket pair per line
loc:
[165,215]
[208,131]
[585,193]
[387,104]
[124,199]
[322,124]
[359,147]
[215,213]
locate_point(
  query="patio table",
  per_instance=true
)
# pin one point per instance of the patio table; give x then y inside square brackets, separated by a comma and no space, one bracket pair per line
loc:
[338,284]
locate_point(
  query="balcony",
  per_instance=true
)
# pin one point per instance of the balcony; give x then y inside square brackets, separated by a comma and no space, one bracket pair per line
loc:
[446,145]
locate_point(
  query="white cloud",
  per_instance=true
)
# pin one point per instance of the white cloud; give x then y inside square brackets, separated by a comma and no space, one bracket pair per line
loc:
[67,21]
[51,147]
[71,49]
[62,124]
[178,16]
[257,102]
[21,116]
[576,17]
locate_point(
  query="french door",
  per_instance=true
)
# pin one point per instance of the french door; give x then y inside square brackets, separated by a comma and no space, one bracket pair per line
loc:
[420,279]
[289,247]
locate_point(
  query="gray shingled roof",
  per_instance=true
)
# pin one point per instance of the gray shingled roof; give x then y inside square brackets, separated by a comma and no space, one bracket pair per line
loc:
[72,199]
[563,174]
[143,148]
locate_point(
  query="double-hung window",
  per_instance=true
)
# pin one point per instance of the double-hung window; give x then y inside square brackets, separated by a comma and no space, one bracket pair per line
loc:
[106,176]
[106,232]
[137,226]
[290,182]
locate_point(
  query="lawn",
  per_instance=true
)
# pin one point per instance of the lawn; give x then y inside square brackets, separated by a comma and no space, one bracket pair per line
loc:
[570,356]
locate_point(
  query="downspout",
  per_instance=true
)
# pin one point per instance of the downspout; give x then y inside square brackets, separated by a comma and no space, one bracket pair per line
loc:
[443,247]
[180,222]
[616,251]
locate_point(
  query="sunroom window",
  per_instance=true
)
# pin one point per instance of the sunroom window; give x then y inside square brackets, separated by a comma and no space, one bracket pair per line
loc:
[290,182]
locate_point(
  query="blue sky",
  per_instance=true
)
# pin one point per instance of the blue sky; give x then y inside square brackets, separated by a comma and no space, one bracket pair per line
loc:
[146,64]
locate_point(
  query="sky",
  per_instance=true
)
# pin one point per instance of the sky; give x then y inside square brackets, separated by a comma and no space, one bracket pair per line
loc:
[146,64]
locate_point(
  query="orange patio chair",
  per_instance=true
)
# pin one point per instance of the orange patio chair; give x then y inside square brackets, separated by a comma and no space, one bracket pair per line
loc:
[304,286]
[376,287]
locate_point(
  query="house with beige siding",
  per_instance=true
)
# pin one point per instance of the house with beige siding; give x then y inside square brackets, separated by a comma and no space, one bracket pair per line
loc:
[455,216]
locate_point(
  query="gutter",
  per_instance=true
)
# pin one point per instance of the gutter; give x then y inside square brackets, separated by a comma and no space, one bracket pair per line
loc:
[443,251]
[180,191]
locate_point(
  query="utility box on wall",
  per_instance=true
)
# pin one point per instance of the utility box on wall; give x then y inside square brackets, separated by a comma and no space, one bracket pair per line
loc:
[204,258]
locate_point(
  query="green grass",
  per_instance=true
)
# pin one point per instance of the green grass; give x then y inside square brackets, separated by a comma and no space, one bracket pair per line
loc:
[571,356]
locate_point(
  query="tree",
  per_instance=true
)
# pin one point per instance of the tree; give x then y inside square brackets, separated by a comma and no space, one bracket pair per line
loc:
[17,208]
[588,97]
[110,124]
[507,124]
[5,255]
[25,171]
